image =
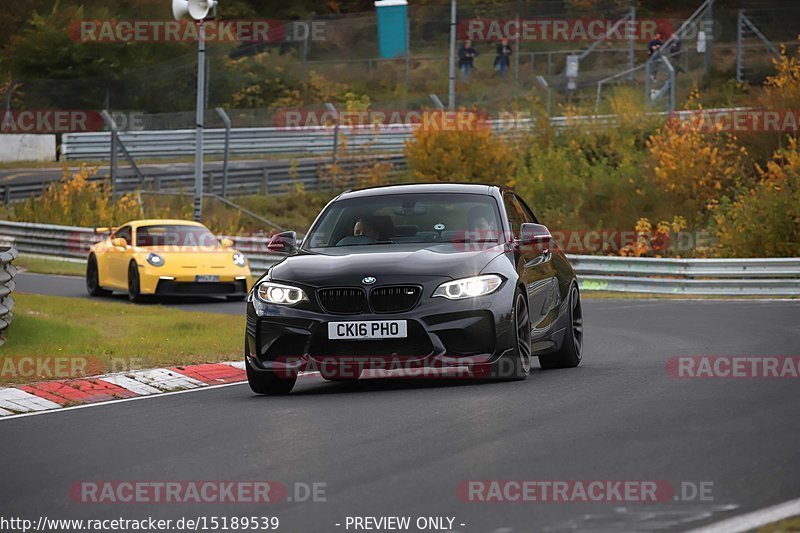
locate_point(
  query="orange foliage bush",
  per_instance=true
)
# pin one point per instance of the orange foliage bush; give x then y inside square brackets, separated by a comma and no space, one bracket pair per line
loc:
[693,168]
[77,200]
[473,154]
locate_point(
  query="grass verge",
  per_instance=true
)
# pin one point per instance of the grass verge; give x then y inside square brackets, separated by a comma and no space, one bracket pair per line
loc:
[93,337]
[790,525]
[49,265]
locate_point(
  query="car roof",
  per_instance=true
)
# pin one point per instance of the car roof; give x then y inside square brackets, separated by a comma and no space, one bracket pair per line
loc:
[161,221]
[411,188]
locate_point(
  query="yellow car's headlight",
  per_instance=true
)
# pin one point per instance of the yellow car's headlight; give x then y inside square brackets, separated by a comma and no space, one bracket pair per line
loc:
[277,293]
[155,260]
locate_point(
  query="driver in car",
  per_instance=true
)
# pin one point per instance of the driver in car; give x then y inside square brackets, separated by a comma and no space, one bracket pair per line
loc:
[363,227]
[481,224]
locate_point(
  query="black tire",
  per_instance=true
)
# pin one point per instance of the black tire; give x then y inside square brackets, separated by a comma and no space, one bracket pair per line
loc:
[269,383]
[517,365]
[134,288]
[93,279]
[570,354]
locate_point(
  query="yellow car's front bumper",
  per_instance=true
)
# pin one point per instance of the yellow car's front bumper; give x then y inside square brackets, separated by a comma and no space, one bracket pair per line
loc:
[232,282]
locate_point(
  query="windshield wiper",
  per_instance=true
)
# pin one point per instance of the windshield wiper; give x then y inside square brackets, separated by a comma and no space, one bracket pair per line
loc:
[471,240]
[363,244]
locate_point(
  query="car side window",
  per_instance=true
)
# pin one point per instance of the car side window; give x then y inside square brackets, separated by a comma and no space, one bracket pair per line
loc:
[527,213]
[124,233]
[515,216]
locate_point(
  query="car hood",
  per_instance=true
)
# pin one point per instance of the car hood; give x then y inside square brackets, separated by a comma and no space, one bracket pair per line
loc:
[185,249]
[191,257]
[349,265]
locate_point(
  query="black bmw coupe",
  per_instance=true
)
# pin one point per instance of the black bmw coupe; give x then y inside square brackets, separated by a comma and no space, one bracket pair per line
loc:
[419,276]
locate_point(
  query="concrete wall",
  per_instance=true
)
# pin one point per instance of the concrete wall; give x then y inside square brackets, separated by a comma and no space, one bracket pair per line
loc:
[26,147]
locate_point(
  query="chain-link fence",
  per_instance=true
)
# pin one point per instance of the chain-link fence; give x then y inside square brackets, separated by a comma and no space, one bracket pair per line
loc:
[335,58]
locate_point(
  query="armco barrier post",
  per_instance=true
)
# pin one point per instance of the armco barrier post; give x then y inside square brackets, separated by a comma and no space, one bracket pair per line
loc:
[7,271]
[227,121]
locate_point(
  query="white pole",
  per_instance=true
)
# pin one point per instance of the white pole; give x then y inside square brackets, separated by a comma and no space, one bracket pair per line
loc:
[201,103]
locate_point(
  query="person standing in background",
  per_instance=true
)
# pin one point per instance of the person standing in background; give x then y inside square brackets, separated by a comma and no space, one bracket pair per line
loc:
[653,47]
[466,54]
[503,58]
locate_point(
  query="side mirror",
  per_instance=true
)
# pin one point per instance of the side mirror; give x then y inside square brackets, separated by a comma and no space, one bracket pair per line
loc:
[533,234]
[226,243]
[119,242]
[283,243]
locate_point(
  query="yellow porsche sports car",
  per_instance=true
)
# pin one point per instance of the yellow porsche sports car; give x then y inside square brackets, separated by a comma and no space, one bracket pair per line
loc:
[166,258]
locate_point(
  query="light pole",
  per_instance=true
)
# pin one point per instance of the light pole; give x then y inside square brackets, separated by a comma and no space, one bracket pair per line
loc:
[198,10]
[200,117]
[451,93]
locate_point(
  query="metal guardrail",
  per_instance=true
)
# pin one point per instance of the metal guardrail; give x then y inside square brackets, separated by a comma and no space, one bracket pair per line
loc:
[730,277]
[266,179]
[270,140]
[48,239]
[7,271]
[243,141]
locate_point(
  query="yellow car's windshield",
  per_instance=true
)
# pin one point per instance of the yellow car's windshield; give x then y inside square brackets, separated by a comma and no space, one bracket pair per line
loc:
[175,235]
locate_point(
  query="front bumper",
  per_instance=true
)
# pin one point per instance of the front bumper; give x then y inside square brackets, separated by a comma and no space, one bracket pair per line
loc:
[191,288]
[441,333]
[163,283]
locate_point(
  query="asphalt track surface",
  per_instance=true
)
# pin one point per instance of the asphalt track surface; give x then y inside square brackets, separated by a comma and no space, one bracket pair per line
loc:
[399,447]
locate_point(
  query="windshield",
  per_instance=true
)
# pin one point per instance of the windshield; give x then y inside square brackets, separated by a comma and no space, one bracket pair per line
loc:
[175,236]
[402,219]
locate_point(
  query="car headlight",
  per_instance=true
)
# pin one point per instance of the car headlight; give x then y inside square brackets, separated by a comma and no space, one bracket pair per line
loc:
[276,293]
[468,287]
[155,260]
[239,260]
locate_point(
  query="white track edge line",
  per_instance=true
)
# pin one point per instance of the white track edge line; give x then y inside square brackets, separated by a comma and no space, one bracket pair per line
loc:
[756,519]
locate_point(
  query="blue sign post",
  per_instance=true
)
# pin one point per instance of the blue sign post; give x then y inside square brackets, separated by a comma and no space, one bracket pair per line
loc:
[392,27]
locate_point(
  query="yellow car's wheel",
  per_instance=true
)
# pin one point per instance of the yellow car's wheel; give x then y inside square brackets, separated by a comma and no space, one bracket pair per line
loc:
[93,278]
[134,288]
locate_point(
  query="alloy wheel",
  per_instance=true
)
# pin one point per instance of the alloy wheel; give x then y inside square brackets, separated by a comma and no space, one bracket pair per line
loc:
[523,333]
